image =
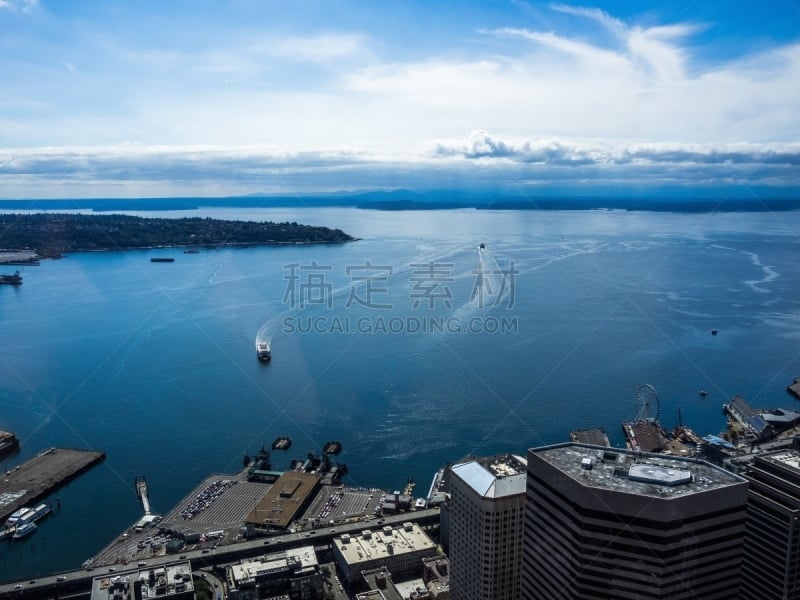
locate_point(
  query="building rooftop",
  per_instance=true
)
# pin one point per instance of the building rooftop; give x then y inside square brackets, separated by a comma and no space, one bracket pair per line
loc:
[161,581]
[384,543]
[494,477]
[294,559]
[380,585]
[655,475]
[786,458]
[286,497]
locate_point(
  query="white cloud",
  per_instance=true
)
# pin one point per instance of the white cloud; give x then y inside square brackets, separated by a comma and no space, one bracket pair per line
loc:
[481,161]
[605,101]
[19,5]
[594,14]
[315,49]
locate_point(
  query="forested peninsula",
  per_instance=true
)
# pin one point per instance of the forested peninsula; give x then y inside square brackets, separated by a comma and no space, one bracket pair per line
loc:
[53,234]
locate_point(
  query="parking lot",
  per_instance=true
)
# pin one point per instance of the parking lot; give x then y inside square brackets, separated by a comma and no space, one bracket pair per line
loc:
[341,504]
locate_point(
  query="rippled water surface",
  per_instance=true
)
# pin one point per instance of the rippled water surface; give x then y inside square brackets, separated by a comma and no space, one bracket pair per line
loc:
[155,363]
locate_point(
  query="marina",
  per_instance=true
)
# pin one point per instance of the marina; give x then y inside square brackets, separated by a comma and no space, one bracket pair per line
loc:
[224,512]
[44,473]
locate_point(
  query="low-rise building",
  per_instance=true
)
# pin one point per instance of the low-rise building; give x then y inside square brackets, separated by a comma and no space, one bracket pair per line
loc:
[381,586]
[400,550]
[294,572]
[436,575]
[165,582]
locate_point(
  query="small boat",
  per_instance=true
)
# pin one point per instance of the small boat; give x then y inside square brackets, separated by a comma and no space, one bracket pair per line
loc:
[162,259]
[713,332]
[703,393]
[263,351]
[482,246]
[332,448]
[23,530]
[15,279]
[282,443]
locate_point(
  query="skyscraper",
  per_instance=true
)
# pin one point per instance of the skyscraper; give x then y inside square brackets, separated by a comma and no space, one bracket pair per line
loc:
[487,502]
[771,565]
[606,523]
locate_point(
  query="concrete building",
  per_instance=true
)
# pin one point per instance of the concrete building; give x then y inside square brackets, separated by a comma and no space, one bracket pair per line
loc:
[436,575]
[486,508]
[168,582]
[294,572]
[381,586]
[771,565]
[400,550]
[606,523]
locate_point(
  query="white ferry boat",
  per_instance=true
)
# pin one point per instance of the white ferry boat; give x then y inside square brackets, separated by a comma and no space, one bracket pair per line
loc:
[24,529]
[263,351]
[35,514]
[18,516]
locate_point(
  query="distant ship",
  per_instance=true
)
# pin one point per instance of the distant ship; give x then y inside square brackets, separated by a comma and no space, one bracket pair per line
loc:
[162,259]
[263,351]
[15,279]
[282,443]
[24,529]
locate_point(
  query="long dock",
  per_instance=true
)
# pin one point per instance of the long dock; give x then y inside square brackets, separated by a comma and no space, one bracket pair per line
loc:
[42,474]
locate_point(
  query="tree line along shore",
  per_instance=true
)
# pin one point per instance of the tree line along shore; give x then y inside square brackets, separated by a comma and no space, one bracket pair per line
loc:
[51,235]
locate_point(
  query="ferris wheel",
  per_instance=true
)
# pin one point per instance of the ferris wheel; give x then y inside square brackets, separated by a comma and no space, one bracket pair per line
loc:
[648,406]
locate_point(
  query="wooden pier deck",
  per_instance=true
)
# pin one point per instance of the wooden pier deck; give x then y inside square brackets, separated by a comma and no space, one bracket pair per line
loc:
[37,477]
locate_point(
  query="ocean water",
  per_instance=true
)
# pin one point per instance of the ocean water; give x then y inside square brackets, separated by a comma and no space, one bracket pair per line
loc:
[412,346]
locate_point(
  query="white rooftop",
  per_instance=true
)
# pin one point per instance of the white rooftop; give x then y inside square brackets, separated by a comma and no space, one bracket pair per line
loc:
[496,477]
[789,458]
[370,545]
[249,569]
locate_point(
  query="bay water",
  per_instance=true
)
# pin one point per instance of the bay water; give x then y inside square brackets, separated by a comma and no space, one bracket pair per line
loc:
[412,346]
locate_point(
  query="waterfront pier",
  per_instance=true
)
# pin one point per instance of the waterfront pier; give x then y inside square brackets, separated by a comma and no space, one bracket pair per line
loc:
[37,477]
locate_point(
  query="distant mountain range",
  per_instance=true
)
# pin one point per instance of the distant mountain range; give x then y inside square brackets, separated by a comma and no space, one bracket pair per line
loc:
[413,200]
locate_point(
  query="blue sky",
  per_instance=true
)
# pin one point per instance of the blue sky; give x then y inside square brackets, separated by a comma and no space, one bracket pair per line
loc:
[201,98]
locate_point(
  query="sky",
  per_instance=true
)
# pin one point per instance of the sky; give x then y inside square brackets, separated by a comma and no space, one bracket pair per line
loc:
[125,99]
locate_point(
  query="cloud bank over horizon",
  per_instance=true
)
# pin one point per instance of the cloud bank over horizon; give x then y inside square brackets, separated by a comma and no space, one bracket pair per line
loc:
[525,97]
